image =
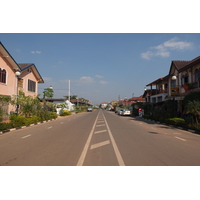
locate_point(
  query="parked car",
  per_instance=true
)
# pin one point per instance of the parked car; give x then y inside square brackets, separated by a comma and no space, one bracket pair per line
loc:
[89,109]
[119,112]
[126,112]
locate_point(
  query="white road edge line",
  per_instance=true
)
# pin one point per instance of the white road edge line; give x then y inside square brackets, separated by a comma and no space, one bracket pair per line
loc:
[26,136]
[84,152]
[117,153]
[180,138]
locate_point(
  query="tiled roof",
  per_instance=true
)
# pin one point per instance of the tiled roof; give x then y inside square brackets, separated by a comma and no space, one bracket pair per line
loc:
[181,63]
[140,98]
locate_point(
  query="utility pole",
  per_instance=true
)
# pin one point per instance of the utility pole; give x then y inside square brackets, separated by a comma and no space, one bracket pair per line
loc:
[69,92]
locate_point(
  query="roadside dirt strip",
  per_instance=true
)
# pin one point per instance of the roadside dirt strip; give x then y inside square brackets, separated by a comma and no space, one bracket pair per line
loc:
[100,122]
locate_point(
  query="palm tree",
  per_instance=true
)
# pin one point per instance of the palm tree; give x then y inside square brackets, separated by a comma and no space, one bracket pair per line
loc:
[193,107]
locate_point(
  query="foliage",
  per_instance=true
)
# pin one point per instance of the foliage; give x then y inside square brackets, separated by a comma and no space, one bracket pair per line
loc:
[48,92]
[193,107]
[168,109]
[53,115]
[65,113]
[191,97]
[5,126]
[28,105]
[4,100]
[176,122]
[71,97]
[19,121]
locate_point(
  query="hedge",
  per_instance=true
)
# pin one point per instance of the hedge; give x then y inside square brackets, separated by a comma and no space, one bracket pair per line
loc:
[19,121]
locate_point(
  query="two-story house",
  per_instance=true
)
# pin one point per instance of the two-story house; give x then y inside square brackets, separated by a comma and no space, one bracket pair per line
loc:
[158,91]
[15,77]
[183,78]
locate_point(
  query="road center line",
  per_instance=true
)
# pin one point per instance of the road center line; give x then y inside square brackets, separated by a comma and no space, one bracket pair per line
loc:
[117,153]
[49,127]
[26,136]
[84,152]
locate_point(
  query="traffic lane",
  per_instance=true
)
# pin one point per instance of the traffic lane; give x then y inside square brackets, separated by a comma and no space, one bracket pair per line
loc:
[191,140]
[141,146]
[59,145]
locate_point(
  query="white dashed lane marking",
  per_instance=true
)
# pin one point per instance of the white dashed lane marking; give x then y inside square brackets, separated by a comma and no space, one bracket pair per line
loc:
[100,144]
[100,131]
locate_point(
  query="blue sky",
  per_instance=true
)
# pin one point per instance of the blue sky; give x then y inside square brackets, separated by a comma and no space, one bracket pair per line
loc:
[101,66]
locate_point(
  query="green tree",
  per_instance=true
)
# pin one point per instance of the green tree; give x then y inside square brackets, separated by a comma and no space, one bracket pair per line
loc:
[4,101]
[28,105]
[193,107]
[48,92]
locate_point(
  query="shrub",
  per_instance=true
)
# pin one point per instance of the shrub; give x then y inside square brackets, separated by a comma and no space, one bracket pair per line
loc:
[146,116]
[194,126]
[176,121]
[32,120]
[17,121]
[65,113]
[53,115]
[5,126]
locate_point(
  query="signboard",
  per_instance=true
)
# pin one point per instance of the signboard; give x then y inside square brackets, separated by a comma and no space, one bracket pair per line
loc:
[174,90]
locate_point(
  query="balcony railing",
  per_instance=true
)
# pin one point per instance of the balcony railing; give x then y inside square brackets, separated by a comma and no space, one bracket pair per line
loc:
[155,92]
[190,86]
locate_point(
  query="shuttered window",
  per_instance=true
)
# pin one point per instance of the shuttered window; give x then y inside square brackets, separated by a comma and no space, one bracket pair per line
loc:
[2,75]
[31,86]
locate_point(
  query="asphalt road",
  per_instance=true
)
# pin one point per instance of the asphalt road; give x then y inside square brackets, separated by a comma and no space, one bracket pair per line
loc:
[99,138]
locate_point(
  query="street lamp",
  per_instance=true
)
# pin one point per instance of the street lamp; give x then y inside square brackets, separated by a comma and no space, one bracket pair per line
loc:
[174,78]
[17,73]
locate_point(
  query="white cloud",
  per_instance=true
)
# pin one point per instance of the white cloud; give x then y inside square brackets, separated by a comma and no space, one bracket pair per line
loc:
[103,82]
[163,50]
[86,80]
[36,52]
[98,76]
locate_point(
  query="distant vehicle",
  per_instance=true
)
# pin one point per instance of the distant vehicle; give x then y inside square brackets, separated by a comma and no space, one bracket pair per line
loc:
[126,112]
[89,109]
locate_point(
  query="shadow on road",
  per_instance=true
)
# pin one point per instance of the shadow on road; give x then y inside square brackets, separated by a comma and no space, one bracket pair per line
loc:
[138,119]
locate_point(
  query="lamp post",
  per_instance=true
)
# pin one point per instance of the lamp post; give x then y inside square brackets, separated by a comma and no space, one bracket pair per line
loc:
[174,78]
[17,73]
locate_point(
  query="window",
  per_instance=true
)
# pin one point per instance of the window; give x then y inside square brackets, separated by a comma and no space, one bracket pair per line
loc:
[2,75]
[173,83]
[197,75]
[185,79]
[31,86]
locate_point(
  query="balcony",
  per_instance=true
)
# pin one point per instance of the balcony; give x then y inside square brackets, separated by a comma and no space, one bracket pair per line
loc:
[157,96]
